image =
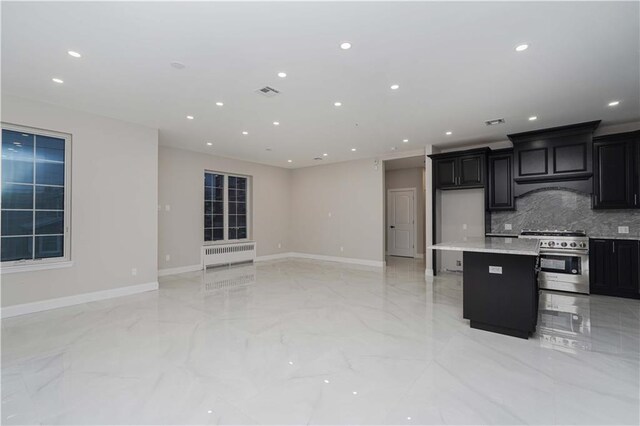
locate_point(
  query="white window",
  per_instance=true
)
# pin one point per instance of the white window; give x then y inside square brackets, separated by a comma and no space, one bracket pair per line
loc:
[35,199]
[226,207]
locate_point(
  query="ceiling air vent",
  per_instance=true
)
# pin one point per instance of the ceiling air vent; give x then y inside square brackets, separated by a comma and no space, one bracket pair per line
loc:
[267,91]
[494,122]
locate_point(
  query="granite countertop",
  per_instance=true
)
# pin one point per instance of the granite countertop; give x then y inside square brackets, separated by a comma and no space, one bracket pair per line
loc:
[522,246]
[635,237]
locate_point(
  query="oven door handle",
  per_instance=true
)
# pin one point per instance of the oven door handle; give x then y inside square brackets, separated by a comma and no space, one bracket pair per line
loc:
[563,252]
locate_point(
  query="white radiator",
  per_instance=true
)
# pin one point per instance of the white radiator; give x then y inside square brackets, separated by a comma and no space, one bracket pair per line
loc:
[222,254]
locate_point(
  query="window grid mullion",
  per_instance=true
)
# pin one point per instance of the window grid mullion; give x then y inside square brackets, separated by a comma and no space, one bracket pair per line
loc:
[33,207]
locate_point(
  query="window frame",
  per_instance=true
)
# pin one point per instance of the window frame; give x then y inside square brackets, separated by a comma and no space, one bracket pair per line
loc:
[26,265]
[225,208]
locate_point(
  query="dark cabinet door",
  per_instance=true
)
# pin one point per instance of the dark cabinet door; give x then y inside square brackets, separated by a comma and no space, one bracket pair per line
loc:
[614,267]
[600,276]
[500,185]
[625,268]
[446,174]
[636,171]
[471,170]
[614,185]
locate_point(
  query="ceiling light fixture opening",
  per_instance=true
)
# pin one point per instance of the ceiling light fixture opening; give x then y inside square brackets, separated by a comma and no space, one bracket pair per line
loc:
[190,117]
[345,45]
[209,143]
[177,65]
[245,133]
[325,154]
[74,54]
[353,149]
[276,123]
[282,74]
[337,103]
[614,103]
[219,103]
[533,118]
[449,133]
[289,161]
[522,47]
[405,140]
[57,80]
[395,87]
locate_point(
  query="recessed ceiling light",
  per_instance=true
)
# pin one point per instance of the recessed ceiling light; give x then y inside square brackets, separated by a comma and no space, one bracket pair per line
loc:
[533,118]
[74,54]
[355,392]
[209,143]
[57,80]
[345,45]
[353,149]
[245,133]
[395,87]
[276,123]
[190,117]
[289,161]
[337,103]
[325,154]
[405,140]
[219,103]
[521,47]
[326,381]
[177,65]
[282,74]
[449,133]
[614,103]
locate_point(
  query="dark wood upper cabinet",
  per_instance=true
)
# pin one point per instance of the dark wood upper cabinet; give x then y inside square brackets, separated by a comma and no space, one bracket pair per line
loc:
[460,169]
[560,155]
[500,180]
[614,267]
[616,161]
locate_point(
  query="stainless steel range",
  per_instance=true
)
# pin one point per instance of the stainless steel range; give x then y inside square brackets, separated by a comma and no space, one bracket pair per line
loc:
[564,259]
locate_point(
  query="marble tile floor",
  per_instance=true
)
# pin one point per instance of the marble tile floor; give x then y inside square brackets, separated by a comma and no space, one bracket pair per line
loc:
[305,342]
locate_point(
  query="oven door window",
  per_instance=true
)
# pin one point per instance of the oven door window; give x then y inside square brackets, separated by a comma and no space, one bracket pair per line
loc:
[561,264]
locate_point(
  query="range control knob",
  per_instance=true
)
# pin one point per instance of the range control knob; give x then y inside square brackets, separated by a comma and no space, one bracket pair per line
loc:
[573,244]
[583,244]
[551,243]
[563,244]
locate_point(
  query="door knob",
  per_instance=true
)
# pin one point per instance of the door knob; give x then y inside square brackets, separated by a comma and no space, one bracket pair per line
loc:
[391,226]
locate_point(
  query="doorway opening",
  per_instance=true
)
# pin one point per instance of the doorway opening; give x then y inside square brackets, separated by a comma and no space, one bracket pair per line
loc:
[405,207]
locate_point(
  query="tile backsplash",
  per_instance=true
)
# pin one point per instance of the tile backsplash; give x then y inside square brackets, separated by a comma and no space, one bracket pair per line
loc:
[561,209]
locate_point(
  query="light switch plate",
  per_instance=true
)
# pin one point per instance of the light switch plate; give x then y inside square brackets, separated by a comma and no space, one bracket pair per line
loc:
[623,229]
[495,270]
[507,227]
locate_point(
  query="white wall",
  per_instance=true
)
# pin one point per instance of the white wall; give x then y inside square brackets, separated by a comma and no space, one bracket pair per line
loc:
[114,201]
[181,186]
[457,208]
[410,178]
[353,193]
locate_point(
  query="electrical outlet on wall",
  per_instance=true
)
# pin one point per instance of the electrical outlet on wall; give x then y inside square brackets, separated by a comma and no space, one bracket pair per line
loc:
[134,271]
[329,214]
[464,226]
[507,227]
[341,248]
[167,207]
[458,263]
[623,229]
[167,257]
[279,245]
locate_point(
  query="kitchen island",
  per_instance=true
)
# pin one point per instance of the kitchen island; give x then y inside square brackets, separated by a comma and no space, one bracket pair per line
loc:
[500,288]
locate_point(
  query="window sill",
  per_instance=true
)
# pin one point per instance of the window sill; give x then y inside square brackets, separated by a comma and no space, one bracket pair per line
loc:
[35,267]
[221,243]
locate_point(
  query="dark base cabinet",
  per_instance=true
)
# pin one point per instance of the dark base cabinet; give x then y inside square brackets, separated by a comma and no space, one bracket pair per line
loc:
[614,267]
[500,293]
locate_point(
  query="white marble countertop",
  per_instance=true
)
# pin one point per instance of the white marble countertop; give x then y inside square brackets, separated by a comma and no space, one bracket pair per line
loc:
[522,246]
[616,237]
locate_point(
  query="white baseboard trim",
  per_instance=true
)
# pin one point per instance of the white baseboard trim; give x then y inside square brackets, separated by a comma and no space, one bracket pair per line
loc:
[61,302]
[276,256]
[428,272]
[366,262]
[179,270]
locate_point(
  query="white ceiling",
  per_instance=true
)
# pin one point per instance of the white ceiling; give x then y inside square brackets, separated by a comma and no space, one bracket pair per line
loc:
[404,163]
[455,64]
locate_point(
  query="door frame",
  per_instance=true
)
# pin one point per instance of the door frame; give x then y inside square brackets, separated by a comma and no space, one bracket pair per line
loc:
[415,217]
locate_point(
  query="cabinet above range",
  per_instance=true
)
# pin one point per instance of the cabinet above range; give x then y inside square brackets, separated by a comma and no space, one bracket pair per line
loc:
[460,169]
[558,157]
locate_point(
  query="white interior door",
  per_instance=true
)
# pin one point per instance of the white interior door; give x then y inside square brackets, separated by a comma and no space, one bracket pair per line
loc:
[401,222]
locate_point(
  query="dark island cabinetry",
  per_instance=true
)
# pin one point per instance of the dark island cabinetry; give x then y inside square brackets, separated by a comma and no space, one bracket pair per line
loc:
[616,169]
[614,267]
